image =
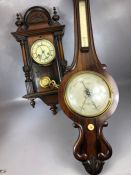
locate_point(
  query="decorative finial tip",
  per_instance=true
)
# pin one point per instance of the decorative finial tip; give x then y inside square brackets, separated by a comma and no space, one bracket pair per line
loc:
[55,17]
[19,21]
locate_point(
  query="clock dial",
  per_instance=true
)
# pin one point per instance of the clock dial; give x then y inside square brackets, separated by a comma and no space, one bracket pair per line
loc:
[88,94]
[43,52]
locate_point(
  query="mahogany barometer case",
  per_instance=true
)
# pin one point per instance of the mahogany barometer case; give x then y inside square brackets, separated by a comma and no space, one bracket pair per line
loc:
[88,95]
[40,37]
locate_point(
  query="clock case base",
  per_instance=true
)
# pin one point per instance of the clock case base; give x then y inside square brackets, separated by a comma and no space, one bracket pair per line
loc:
[49,98]
[34,25]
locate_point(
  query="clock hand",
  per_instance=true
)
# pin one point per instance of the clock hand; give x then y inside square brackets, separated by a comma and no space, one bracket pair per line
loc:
[43,52]
[90,97]
[93,103]
[39,56]
[83,84]
[45,56]
[88,93]
[87,89]
[83,104]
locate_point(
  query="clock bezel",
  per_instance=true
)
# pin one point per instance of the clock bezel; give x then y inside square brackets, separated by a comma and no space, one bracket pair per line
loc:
[110,102]
[54,56]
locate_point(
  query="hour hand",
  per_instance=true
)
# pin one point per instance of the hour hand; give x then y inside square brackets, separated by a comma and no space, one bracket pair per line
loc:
[39,56]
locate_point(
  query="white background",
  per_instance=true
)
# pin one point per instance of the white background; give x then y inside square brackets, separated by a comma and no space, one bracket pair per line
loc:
[33,141]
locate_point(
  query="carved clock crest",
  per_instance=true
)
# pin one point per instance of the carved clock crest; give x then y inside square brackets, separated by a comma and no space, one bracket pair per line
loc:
[40,37]
[88,95]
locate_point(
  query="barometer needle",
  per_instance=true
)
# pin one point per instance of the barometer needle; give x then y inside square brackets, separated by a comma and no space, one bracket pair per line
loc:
[87,91]
[82,108]
[93,103]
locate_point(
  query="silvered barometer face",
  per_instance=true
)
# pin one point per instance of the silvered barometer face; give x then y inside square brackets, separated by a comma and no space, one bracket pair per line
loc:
[43,52]
[88,94]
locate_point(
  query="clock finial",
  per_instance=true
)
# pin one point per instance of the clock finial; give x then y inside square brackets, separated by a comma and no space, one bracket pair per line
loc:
[55,17]
[32,102]
[19,21]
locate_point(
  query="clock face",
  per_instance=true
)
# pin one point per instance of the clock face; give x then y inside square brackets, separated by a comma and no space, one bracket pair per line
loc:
[43,52]
[88,94]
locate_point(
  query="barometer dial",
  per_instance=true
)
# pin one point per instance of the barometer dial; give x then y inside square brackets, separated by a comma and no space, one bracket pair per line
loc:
[88,94]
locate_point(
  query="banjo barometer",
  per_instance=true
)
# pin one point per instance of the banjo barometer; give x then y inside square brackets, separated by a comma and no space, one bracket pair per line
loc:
[88,95]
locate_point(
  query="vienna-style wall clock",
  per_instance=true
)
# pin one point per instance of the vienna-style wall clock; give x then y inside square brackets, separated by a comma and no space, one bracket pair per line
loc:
[40,37]
[88,95]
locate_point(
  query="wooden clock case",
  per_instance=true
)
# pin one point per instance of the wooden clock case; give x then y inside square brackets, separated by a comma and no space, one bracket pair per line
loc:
[35,25]
[91,148]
